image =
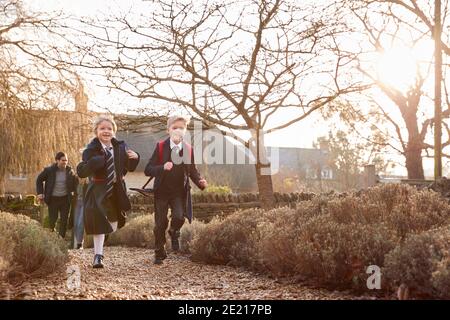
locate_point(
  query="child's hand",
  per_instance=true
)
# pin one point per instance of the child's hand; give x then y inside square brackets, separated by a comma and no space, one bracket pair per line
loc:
[168,166]
[131,154]
[203,183]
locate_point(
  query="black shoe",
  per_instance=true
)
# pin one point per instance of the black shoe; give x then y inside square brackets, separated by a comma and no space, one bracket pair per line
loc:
[98,261]
[79,246]
[174,235]
[160,255]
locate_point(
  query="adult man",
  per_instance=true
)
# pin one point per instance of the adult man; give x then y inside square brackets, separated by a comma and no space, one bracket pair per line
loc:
[55,185]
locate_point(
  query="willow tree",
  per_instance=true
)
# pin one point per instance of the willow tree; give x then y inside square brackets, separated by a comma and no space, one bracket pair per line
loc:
[250,68]
[35,89]
[30,137]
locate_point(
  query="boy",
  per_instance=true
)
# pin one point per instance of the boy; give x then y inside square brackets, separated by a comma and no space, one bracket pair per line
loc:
[172,164]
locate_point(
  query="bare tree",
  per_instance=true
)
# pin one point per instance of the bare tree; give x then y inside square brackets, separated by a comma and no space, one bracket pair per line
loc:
[30,50]
[237,65]
[347,158]
[380,27]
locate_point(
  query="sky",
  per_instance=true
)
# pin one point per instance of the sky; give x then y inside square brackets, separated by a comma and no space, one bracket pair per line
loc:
[301,134]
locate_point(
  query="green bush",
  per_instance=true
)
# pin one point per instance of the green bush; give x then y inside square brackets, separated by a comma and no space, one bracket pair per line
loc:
[28,249]
[217,189]
[422,263]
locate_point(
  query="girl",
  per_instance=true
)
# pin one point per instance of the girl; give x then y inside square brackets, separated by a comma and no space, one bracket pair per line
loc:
[106,161]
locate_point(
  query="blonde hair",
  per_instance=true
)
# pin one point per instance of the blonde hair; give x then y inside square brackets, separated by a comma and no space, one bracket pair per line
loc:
[172,119]
[103,117]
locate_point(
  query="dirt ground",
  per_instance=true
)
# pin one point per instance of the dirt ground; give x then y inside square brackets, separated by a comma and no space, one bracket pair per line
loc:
[129,273]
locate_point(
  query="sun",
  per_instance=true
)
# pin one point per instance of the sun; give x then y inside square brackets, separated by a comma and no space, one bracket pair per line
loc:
[399,66]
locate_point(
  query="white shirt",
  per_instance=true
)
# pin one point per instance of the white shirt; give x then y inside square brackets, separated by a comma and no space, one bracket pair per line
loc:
[173,145]
[110,149]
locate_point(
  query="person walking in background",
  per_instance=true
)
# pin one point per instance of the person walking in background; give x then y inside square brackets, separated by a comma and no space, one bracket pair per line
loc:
[105,161]
[172,164]
[56,185]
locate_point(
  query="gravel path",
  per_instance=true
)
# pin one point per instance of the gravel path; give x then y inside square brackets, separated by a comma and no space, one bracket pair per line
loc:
[131,274]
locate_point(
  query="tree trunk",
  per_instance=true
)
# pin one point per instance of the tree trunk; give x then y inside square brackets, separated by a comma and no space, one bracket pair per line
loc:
[263,172]
[413,152]
[414,164]
[265,188]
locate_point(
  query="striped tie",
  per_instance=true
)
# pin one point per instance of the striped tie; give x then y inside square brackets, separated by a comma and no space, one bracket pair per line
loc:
[110,173]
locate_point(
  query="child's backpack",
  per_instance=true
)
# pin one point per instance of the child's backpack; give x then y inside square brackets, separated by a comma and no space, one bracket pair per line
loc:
[161,148]
[160,145]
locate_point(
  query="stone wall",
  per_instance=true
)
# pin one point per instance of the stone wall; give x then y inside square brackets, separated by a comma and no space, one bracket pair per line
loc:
[20,204]
[208,205]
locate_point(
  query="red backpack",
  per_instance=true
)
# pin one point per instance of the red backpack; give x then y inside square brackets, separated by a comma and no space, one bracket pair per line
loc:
[160,147]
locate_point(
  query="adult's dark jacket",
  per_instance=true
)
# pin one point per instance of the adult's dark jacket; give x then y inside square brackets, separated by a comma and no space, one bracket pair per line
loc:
[45,182]
[93,165]
[155,169]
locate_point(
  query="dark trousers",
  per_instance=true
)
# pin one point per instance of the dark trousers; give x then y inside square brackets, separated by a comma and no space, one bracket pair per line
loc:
[162,204]
[59,205]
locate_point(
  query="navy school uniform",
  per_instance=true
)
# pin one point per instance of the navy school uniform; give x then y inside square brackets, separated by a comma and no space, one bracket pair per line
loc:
[99,210]
[155,168]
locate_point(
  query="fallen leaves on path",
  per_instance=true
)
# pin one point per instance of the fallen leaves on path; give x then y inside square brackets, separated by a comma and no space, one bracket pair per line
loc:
[129,273]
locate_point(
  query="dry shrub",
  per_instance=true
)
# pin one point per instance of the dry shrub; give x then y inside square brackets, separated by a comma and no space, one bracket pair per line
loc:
[138,232]
[88,241]
[329,241]
[401,207]
[406,209]
[188,234]
[320,250]
[422,262]
[277,238]
[337,255]
[28,249]
[229,240]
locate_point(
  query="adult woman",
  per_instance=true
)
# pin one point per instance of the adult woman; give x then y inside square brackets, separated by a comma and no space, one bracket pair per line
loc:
[106,161]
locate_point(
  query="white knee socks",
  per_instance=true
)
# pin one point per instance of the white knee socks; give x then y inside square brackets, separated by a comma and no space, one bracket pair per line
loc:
[99,240]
